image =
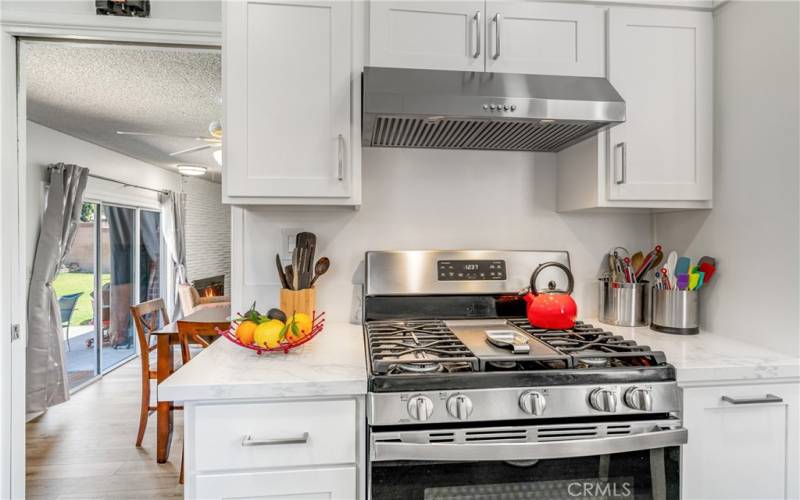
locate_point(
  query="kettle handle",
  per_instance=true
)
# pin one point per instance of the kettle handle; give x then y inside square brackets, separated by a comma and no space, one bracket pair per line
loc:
[570,278]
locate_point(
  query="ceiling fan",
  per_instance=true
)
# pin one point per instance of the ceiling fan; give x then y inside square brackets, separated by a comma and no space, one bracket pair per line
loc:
[213,141]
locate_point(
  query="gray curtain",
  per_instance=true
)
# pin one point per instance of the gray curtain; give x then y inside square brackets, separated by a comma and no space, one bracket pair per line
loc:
[47,383]
[172,228]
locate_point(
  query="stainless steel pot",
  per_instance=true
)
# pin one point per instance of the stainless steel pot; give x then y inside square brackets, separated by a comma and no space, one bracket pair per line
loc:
[675,311]
[624,304]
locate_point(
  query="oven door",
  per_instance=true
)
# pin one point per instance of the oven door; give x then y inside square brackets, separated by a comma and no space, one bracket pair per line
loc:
[611,460]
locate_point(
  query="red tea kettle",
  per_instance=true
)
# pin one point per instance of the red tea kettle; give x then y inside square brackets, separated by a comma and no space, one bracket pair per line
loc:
[551,308]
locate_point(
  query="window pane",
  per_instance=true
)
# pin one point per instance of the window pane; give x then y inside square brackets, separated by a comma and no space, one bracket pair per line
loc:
[149,256]
[74,286]
[117,294]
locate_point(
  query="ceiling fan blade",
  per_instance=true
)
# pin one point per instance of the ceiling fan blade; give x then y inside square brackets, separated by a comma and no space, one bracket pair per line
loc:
[150,134]
[192,150]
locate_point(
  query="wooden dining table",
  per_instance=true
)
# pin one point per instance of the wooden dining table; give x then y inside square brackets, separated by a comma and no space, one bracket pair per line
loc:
[166,338]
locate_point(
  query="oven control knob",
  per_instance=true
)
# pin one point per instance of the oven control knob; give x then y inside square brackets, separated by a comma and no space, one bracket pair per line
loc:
[420,408]
[639,398]
[532,403]
[459,406]
[603,400]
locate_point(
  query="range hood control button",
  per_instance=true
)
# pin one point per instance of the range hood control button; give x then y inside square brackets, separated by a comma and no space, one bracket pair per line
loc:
[485,106]
[639,398]
[492,106]
[505,107]
[513,107]
[532,403]
[459,406]
[603,400]
[420,408]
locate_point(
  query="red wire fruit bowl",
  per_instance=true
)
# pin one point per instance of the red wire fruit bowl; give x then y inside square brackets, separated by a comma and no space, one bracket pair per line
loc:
[317,324]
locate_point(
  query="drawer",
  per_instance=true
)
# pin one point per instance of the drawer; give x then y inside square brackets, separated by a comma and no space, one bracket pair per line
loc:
[314,484]
[265,435]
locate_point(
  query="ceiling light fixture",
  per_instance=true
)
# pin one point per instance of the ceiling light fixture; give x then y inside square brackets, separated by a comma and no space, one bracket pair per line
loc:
[217,154]
[193,170]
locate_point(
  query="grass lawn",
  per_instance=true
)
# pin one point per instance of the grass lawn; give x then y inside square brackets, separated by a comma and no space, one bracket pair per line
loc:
[67,283]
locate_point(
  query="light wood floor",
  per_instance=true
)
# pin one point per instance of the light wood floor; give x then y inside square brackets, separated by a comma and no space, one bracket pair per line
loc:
[85,448]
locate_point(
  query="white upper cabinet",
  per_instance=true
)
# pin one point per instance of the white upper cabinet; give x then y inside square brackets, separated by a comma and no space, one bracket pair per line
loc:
[661,64]
[545,38]
[427,35]
[288,69]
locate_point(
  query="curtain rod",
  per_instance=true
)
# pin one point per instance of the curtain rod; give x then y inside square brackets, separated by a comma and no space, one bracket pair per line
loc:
[127,184]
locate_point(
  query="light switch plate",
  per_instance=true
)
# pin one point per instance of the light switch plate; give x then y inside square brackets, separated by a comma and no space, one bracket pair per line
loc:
[288,240]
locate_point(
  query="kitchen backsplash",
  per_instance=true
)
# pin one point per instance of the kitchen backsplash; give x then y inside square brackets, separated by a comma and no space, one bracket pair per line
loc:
[419,199]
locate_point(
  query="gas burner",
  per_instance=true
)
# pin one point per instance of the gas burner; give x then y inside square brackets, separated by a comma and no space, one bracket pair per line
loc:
[416,346]
[503,365]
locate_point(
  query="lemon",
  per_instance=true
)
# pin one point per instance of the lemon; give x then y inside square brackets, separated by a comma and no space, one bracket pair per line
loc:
[268,333]
[302,326]
[245,331]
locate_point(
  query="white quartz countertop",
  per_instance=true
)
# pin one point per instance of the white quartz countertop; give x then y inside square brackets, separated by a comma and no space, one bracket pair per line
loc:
[708,357]
[332,364]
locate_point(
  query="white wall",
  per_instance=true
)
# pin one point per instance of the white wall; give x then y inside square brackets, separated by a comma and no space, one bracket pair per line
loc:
[753,229]
[419,199]
[183,10]
[208,231]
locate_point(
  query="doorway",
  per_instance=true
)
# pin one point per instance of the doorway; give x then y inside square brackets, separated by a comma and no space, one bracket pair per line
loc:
[95,299]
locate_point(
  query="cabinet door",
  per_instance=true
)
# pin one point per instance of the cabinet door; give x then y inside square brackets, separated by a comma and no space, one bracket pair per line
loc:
[545,39]
[427,35]
[741,449]
[660,61]
[310,484]
[286,74]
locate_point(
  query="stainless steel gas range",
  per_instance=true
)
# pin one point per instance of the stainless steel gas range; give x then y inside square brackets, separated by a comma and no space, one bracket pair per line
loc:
[577,413]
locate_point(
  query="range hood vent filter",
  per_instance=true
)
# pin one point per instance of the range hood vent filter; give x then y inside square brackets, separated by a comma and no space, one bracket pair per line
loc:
[454,133]
[422,108]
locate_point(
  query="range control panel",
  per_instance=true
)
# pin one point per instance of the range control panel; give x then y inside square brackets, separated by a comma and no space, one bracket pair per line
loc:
[471,270]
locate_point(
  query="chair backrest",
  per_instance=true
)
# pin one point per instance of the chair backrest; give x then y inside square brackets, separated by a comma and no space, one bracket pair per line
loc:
[66,303]
[189,298]
[198,333]
[148,317]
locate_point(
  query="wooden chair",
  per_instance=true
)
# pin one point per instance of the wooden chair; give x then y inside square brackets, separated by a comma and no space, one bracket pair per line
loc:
[148,317]
[201,334]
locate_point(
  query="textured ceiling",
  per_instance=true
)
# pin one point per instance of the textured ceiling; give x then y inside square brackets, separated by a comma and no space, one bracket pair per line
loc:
[91,91]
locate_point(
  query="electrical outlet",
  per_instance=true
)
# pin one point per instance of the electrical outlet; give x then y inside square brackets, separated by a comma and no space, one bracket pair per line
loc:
[288,240]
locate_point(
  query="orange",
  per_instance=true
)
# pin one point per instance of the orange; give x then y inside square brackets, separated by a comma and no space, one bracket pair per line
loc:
[245,331]
[303,323]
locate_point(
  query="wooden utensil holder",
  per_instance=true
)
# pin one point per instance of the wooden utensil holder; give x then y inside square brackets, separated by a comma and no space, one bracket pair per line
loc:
[298,301]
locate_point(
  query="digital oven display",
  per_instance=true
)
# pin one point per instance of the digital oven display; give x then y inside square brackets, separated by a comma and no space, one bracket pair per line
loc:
[471,270]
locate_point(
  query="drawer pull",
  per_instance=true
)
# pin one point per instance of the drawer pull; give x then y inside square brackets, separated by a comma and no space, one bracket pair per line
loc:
[250,441]
[769,398]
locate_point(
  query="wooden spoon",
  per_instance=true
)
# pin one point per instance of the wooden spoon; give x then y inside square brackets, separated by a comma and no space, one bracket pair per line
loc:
[637,259]
[320,268]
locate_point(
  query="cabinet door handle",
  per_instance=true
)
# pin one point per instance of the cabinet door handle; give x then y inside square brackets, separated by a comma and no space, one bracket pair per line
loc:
[477,20]
[251,441]
[340,171]
[769,398]
[498,18]
[624,167]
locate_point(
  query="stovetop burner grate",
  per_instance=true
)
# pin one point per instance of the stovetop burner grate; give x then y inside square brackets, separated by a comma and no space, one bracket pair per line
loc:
[417,346]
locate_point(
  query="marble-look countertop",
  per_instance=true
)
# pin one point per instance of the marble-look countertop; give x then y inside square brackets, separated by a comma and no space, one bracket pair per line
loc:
[332,364]
[708,357]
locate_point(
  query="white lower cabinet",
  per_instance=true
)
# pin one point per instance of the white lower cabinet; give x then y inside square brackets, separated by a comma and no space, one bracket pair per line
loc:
[287,448]
[743,442]
[311,484]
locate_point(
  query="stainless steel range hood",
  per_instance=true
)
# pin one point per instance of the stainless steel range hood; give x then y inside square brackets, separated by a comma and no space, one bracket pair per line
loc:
[413,108]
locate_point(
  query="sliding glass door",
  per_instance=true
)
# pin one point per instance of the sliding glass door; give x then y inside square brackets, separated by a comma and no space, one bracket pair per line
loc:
[114,263]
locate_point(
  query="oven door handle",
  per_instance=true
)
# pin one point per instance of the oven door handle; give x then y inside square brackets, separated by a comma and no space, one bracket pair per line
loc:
[471,452]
